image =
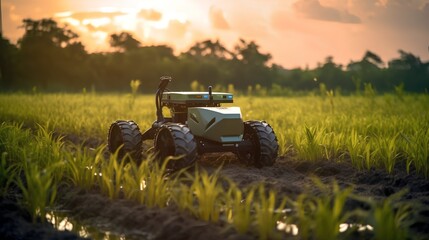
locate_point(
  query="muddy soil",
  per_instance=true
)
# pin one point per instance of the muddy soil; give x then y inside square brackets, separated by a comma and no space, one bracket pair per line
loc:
[16,223]
[288,177]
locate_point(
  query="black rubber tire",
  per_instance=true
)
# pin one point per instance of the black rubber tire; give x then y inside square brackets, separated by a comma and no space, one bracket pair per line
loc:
[127,134]
[174,139]
[265,146]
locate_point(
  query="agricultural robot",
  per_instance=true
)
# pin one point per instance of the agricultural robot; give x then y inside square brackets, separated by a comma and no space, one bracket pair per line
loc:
[198,125]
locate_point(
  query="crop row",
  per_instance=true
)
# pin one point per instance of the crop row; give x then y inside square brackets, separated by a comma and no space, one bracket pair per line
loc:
[376,131]
[40,164]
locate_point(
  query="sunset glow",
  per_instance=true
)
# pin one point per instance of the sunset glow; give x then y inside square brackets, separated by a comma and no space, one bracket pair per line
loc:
[297,33]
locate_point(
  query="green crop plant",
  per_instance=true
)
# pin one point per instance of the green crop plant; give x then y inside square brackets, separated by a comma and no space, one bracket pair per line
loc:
[389,218]
[158,186]
[371,155]
[333,145]
[308,145]
[48,150]
[38,189]
[134,182]
[320,217]
[329,213]
[82,166]
[302,216]
[268,211]
[239,204]
[78,114]
[208,194]
[35,160]
[7,174]
[387,152]
[388,224]
[284,146]
[365,134]
[331,96]
[134,84]
[13,138]
[183,198]
[417,150]
[112,172]
[355,146]
[87,115]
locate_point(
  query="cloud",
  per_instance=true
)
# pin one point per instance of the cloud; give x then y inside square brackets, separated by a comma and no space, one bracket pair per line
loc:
[177,29]
[404,15]
[94,15]
[217,19]
[108,28]
[314,10]
[251,23]
[282,20]
[150,14]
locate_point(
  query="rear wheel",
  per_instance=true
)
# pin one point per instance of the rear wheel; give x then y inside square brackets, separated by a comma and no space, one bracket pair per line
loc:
[176,140]
[265,147]
[126,134]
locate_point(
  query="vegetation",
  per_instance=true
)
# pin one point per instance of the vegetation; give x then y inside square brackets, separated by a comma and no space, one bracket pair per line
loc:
[324,124]
[378,131]
[341,116]
[322,215]
[49,57]
[372,132]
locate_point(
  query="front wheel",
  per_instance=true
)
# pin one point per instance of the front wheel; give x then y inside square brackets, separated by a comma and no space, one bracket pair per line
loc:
[125,136]
[176,140]
[264,143]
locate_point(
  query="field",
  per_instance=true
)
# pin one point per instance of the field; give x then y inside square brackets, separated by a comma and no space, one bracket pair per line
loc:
[350,167]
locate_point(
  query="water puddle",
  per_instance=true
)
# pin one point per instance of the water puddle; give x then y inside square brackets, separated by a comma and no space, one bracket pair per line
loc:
[62,222]
[360,227]
[294,230]
[287,228]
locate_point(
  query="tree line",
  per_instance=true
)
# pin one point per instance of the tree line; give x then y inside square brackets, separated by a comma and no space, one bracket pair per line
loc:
[50,57]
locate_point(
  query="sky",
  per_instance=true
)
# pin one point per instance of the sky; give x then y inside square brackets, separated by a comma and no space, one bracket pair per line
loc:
[297,33]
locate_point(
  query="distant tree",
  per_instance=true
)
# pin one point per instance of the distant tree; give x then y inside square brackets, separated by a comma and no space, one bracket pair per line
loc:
[405,62]
[410,71]
[372,58]
[49,55]
[298,79]
[331,75]
[248,53]
[8,59]
[209,48]
[369,70]
[45,33]
[124,41]
[250,66]
[369,61]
